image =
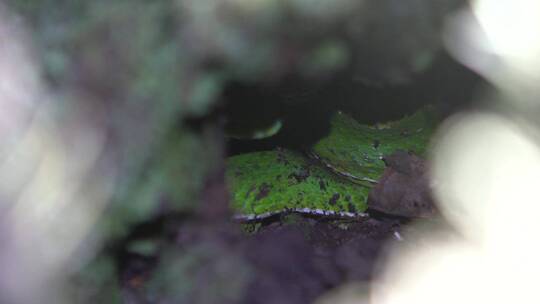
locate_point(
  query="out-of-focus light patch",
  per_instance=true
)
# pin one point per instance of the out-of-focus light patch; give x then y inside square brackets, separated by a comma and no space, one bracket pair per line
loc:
[508,185]
[486,169]
[487,172]
[50,198]
[513,29]
[512,26]
[55,209]
[50,192]
[501,41]
[430,274]
[18,82]
[464,175]
[50,215]
[19,87]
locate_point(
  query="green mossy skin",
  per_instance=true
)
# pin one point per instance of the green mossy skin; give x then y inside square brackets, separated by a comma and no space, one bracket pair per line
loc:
[355,149]
[273,181]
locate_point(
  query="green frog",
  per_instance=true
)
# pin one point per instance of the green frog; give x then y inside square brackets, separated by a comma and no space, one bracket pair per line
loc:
[336,176]
[356,151]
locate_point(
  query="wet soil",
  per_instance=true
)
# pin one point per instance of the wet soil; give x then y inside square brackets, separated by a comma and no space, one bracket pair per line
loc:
[292,259]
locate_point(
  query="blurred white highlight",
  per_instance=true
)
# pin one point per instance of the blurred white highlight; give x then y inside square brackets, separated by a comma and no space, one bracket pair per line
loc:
[50,195]
[487,165]
[487,171]
[512,26]
[500,39]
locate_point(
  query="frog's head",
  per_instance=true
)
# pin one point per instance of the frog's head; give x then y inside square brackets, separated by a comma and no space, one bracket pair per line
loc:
[419,203]
[403,195]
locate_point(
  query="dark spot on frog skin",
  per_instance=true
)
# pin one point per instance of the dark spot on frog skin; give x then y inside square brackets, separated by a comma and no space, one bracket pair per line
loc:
[333,200]
[278,177]
[264,190]
[237,173]
[376,143]
[351,208]
[322,185]
[300,175]
[348,198]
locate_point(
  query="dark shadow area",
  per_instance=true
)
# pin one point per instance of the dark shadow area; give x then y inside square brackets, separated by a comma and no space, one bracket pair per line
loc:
[305,108]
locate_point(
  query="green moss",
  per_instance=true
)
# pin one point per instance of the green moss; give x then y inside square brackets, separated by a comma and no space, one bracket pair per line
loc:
[272,181]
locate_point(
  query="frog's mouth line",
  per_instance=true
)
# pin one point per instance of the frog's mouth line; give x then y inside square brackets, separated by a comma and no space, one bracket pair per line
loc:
[363,181]
[308,211]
